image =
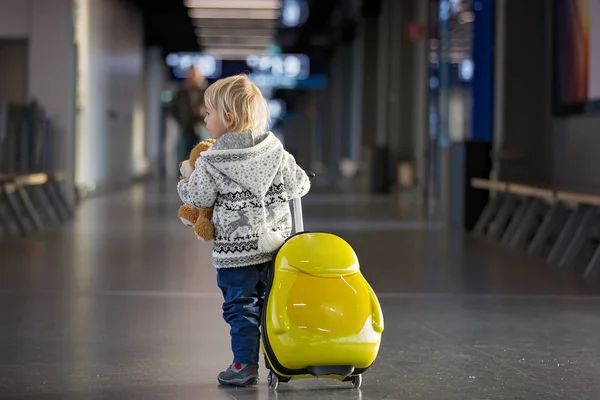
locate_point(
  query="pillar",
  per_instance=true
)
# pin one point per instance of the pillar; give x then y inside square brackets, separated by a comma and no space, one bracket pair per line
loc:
[357,60]
[154,84]
[450,145]
[421,98]
[338,113]
[499,82]
[380,172]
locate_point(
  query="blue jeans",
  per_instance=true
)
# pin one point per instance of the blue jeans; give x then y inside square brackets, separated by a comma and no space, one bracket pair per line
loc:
[243,290]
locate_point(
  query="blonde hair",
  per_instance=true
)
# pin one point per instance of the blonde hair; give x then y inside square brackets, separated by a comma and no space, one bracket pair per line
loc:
[239,96]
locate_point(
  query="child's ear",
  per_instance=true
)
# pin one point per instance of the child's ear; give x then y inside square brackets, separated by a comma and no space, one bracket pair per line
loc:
[229,117]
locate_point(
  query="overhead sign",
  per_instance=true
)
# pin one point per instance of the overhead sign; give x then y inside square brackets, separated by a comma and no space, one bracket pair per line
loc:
[280,66]
[269,82]
[209,65]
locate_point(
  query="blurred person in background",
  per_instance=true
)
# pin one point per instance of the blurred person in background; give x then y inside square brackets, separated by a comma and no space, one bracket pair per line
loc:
[188,110]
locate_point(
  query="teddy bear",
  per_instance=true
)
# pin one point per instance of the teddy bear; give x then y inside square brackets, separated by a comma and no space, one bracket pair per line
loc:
[198,218]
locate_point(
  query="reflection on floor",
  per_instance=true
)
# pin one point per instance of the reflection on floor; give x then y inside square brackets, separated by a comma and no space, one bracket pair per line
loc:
[122,304]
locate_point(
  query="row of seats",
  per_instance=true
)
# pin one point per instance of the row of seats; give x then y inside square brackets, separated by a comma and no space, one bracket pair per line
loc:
[558,223]
[32,196]
[30,203]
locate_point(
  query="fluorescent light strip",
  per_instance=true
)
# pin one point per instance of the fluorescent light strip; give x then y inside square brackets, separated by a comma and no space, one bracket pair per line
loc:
[227,32]
[225,53]
[236,40]
[233,57]
[241,50]
[237,36]
[263,4]
[236,46]
[234,13]
[235,23]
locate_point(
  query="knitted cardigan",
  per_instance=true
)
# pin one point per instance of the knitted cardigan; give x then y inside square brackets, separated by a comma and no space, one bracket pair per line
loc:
[249,178]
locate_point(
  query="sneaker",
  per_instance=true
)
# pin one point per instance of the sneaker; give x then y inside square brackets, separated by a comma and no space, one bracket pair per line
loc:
[239,375]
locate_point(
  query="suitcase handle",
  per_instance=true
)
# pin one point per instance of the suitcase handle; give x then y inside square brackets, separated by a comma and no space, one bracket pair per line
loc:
[297,216]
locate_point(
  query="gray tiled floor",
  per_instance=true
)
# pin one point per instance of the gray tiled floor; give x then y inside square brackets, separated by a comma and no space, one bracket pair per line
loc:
[122,304]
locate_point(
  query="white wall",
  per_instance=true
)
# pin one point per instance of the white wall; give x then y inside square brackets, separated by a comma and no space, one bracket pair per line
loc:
[14,18]
[111,120]
[94,65]
[52,71]
[47,25]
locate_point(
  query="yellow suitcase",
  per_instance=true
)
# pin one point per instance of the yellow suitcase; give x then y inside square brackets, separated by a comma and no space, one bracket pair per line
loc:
[321,317]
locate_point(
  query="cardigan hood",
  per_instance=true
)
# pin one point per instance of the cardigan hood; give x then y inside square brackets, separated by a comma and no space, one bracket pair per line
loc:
[251,160]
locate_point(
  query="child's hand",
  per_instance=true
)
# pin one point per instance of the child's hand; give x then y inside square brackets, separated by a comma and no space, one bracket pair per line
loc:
[186,169]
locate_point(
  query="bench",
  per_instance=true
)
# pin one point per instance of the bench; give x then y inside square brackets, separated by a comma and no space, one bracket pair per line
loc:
[32,192]
[537,217]
[31,202]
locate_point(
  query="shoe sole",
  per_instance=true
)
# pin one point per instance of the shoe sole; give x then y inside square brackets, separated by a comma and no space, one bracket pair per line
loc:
[239,382]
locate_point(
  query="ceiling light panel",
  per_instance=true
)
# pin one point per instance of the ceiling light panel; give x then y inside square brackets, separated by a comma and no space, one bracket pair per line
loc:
[205,32]
[234,23]
[261,4]
[236,40]
[250,48]
[234,13]
[225,52]
[232,57]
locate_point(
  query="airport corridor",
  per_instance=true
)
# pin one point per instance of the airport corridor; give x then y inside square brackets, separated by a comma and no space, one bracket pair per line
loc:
[121,303]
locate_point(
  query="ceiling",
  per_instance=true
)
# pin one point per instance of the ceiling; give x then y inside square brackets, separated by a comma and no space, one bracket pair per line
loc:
[167,24]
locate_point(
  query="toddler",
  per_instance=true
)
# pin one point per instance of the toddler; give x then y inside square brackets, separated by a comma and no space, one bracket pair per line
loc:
[249,178]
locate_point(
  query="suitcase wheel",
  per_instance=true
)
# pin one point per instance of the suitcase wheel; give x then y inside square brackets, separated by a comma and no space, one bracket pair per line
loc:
[273,380]
[356,381]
